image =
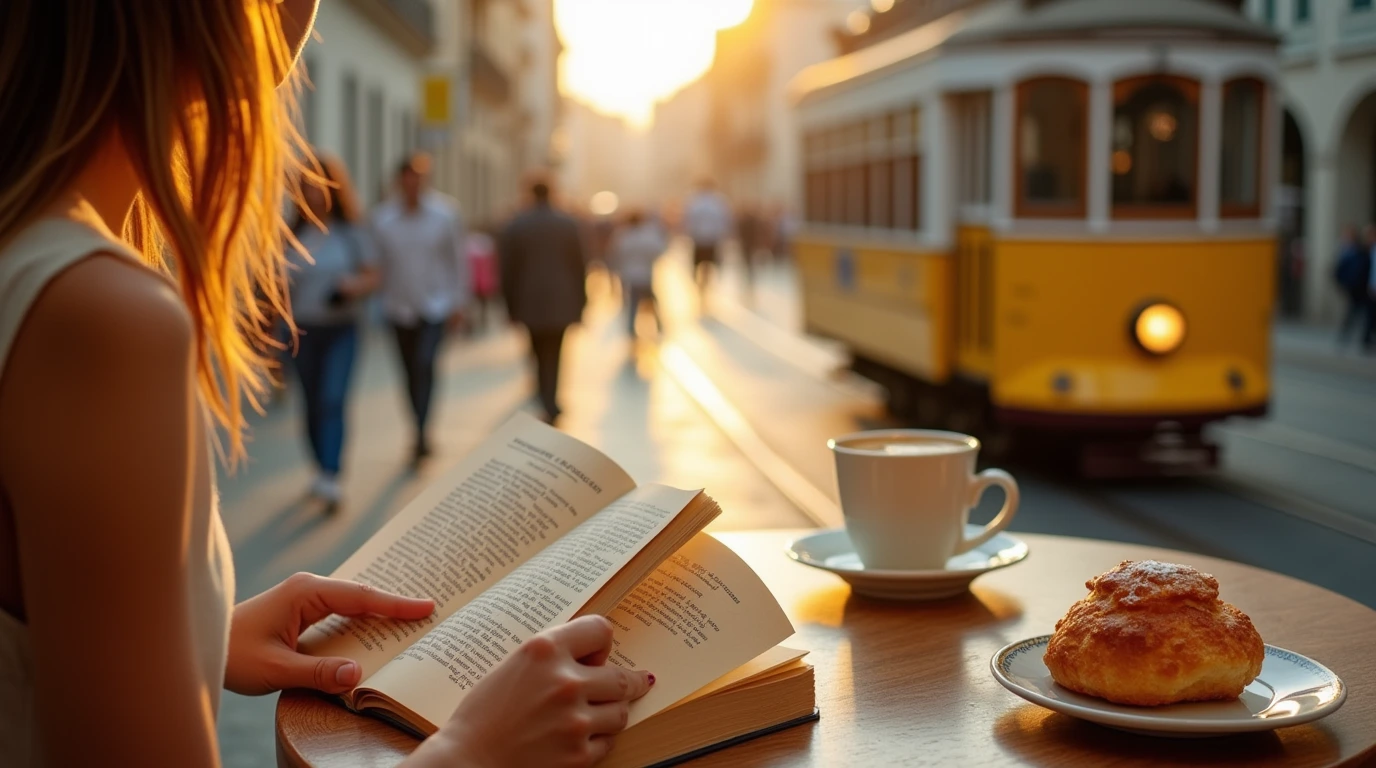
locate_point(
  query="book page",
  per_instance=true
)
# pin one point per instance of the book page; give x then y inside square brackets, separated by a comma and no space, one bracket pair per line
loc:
[515,495]
[431,677]
[701,615]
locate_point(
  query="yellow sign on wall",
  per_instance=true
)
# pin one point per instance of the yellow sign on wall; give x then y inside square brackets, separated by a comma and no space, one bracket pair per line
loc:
[436,92]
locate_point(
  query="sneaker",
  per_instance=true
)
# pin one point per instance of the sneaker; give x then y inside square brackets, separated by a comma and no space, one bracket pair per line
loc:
[326,488]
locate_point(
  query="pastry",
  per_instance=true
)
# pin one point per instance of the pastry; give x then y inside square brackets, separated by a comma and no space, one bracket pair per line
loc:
[1153,633]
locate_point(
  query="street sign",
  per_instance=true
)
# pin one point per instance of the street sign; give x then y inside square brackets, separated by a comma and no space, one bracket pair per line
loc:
[436,95]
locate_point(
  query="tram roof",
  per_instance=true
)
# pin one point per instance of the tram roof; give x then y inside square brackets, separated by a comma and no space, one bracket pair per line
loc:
[1049,20]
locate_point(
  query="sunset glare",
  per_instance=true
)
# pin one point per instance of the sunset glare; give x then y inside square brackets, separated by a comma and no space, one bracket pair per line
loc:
[622,56]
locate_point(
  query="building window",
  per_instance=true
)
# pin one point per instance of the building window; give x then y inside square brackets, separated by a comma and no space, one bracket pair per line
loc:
[408,133]
[1301,11]
[377,177]
[1241,156]
[1268,11]
[1155,147]
[1050,146]
[348,124]
[310,99]
[1361,5]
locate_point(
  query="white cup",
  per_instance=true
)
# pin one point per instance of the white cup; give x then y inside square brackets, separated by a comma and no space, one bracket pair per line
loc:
[906,496]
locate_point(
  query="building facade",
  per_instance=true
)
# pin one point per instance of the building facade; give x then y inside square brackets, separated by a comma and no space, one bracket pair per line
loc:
[1328,87]
[495,60]
[751,135]
[365,65]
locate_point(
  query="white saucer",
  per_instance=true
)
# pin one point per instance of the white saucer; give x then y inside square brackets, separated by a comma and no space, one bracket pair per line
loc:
[832,551]
[1291,689]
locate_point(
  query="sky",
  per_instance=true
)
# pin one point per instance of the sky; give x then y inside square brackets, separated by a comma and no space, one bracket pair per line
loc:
[622,56]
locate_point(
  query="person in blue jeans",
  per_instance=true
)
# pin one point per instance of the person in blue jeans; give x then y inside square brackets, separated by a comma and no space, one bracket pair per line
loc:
[331,274]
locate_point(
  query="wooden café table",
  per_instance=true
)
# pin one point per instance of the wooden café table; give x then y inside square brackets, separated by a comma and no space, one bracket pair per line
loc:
[910,683]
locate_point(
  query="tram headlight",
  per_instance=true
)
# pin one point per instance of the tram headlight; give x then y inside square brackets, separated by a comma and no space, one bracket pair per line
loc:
[1158,328]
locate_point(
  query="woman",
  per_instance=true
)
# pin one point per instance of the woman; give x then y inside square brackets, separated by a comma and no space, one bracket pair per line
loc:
[331,272]
[139,199]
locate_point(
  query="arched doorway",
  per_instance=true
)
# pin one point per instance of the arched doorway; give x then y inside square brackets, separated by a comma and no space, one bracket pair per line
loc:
[1355,203]
[1290,212]
[1357,150]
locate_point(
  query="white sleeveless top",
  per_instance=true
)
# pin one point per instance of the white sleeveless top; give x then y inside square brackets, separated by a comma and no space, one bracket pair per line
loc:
[39,253]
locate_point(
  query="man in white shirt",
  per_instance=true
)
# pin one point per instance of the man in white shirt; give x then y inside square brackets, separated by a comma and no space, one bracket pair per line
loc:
[425,281]
[707,220]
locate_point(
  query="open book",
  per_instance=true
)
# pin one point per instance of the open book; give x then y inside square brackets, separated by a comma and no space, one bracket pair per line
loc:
[535,528]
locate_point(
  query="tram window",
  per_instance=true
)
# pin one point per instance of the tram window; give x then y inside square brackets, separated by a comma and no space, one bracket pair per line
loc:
[1240,158]
[1050,147]
[814,194]
[853,179]
[836,177]
[880,186]
[905,169]
[1155,147]
[972,148]
[856,187]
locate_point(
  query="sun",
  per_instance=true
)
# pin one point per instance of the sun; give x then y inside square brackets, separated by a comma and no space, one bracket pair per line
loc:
[623,56]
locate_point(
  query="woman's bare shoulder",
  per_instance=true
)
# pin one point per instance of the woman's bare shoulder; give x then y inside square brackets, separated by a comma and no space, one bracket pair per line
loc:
[106,306]
[105,335]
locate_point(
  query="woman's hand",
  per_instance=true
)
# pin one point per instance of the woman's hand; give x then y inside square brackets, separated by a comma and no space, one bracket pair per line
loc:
[262,636]
[554,702]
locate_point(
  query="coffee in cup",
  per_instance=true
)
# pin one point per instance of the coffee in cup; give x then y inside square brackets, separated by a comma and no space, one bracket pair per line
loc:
[906,496]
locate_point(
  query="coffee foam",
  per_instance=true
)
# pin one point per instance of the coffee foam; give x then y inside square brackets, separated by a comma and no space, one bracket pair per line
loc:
[906,446]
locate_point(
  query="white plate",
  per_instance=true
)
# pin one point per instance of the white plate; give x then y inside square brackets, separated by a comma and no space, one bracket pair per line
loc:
[1291,689]
[832,551]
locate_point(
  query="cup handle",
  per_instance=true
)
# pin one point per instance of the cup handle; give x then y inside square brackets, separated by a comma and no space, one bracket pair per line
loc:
[978,484]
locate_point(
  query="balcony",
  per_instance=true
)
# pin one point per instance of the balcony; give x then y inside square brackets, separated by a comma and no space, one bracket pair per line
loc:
[489,80]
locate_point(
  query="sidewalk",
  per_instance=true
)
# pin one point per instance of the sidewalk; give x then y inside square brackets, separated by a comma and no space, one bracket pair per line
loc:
[1316,348]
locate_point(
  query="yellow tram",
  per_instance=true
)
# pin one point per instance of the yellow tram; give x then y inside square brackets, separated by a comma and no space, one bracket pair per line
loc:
[1051,215]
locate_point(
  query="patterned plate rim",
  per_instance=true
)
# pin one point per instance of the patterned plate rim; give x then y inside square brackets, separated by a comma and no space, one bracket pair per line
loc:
[1003,658]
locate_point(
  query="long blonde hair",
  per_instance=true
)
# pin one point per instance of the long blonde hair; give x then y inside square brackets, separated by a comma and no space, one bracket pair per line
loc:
[192,89]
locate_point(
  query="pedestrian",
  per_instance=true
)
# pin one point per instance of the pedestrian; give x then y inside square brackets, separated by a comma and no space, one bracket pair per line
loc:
[123,355]
[1353,274]
[331,274]
[785,226]
[481,248]
[750,232]
[543,282]
[425,283]
[707,220]
[635,249]
[1369,335]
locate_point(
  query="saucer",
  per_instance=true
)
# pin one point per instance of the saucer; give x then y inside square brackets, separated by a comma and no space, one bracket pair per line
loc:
[1291,689]
[832,551]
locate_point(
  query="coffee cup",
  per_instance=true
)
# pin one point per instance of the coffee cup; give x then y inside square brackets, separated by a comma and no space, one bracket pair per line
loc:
[906,496]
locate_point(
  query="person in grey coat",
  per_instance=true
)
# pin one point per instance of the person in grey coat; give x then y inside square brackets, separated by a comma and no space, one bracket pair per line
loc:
[543,271]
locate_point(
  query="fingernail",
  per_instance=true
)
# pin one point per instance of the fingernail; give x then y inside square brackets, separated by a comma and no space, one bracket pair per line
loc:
[346,674]
[652,677]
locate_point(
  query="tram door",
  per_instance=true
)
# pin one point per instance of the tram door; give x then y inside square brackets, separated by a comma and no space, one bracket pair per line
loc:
[972,178]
